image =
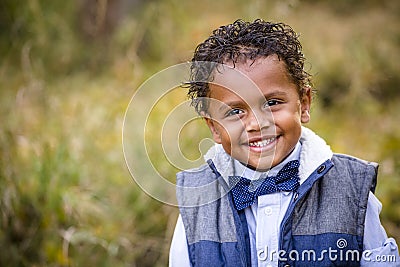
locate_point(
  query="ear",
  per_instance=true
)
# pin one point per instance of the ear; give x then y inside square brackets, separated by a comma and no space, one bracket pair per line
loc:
[214,128]
[306,105]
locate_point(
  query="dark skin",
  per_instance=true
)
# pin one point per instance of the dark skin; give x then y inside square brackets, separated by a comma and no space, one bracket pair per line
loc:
[257,121]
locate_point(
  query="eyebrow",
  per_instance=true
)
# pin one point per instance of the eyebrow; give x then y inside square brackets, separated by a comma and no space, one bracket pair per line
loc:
[230,105]
[276,93]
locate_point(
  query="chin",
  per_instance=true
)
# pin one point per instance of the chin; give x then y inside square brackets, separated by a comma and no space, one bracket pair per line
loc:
[262,166]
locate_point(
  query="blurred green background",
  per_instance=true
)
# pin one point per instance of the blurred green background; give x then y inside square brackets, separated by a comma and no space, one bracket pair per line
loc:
[69,68]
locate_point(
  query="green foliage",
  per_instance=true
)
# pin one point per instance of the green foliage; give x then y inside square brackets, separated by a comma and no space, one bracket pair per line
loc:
[66,196]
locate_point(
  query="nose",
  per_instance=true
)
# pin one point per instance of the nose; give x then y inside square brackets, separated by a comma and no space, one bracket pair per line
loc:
[258,119]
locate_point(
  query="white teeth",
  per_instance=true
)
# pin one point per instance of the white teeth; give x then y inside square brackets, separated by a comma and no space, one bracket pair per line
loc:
[262,142]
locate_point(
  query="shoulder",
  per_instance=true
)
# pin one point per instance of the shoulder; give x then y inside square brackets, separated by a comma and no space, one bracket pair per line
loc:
[198,187]
[195,177]
[354,164]
[201,168]
[355,170]
[351,160]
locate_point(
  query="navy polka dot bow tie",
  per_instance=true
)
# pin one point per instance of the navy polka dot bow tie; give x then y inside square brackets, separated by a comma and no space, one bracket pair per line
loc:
[245,191]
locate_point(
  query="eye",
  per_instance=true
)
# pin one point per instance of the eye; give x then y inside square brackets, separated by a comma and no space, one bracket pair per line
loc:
[272,102]
[233,112]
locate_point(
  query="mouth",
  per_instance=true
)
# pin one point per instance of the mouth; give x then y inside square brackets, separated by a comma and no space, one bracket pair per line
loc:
[263,142]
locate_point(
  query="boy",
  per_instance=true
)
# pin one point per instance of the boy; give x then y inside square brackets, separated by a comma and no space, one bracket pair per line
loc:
[272,192]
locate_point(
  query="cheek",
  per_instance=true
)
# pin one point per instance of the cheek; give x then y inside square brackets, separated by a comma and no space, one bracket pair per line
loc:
[224,138]
[232,131]
[295,111]
[288,121]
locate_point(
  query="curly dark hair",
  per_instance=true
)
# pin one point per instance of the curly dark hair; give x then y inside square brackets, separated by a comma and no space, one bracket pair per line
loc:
[243,40]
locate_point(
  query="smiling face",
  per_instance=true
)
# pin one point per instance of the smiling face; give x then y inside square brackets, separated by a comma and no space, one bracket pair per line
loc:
[255,111]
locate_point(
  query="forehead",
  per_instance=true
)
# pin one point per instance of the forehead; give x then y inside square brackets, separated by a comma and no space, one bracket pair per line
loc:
[251,78]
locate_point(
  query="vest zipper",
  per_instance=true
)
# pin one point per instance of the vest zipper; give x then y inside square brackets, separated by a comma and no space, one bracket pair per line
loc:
[297,197]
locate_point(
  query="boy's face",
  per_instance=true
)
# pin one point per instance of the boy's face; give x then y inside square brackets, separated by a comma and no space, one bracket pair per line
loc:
[255,111]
